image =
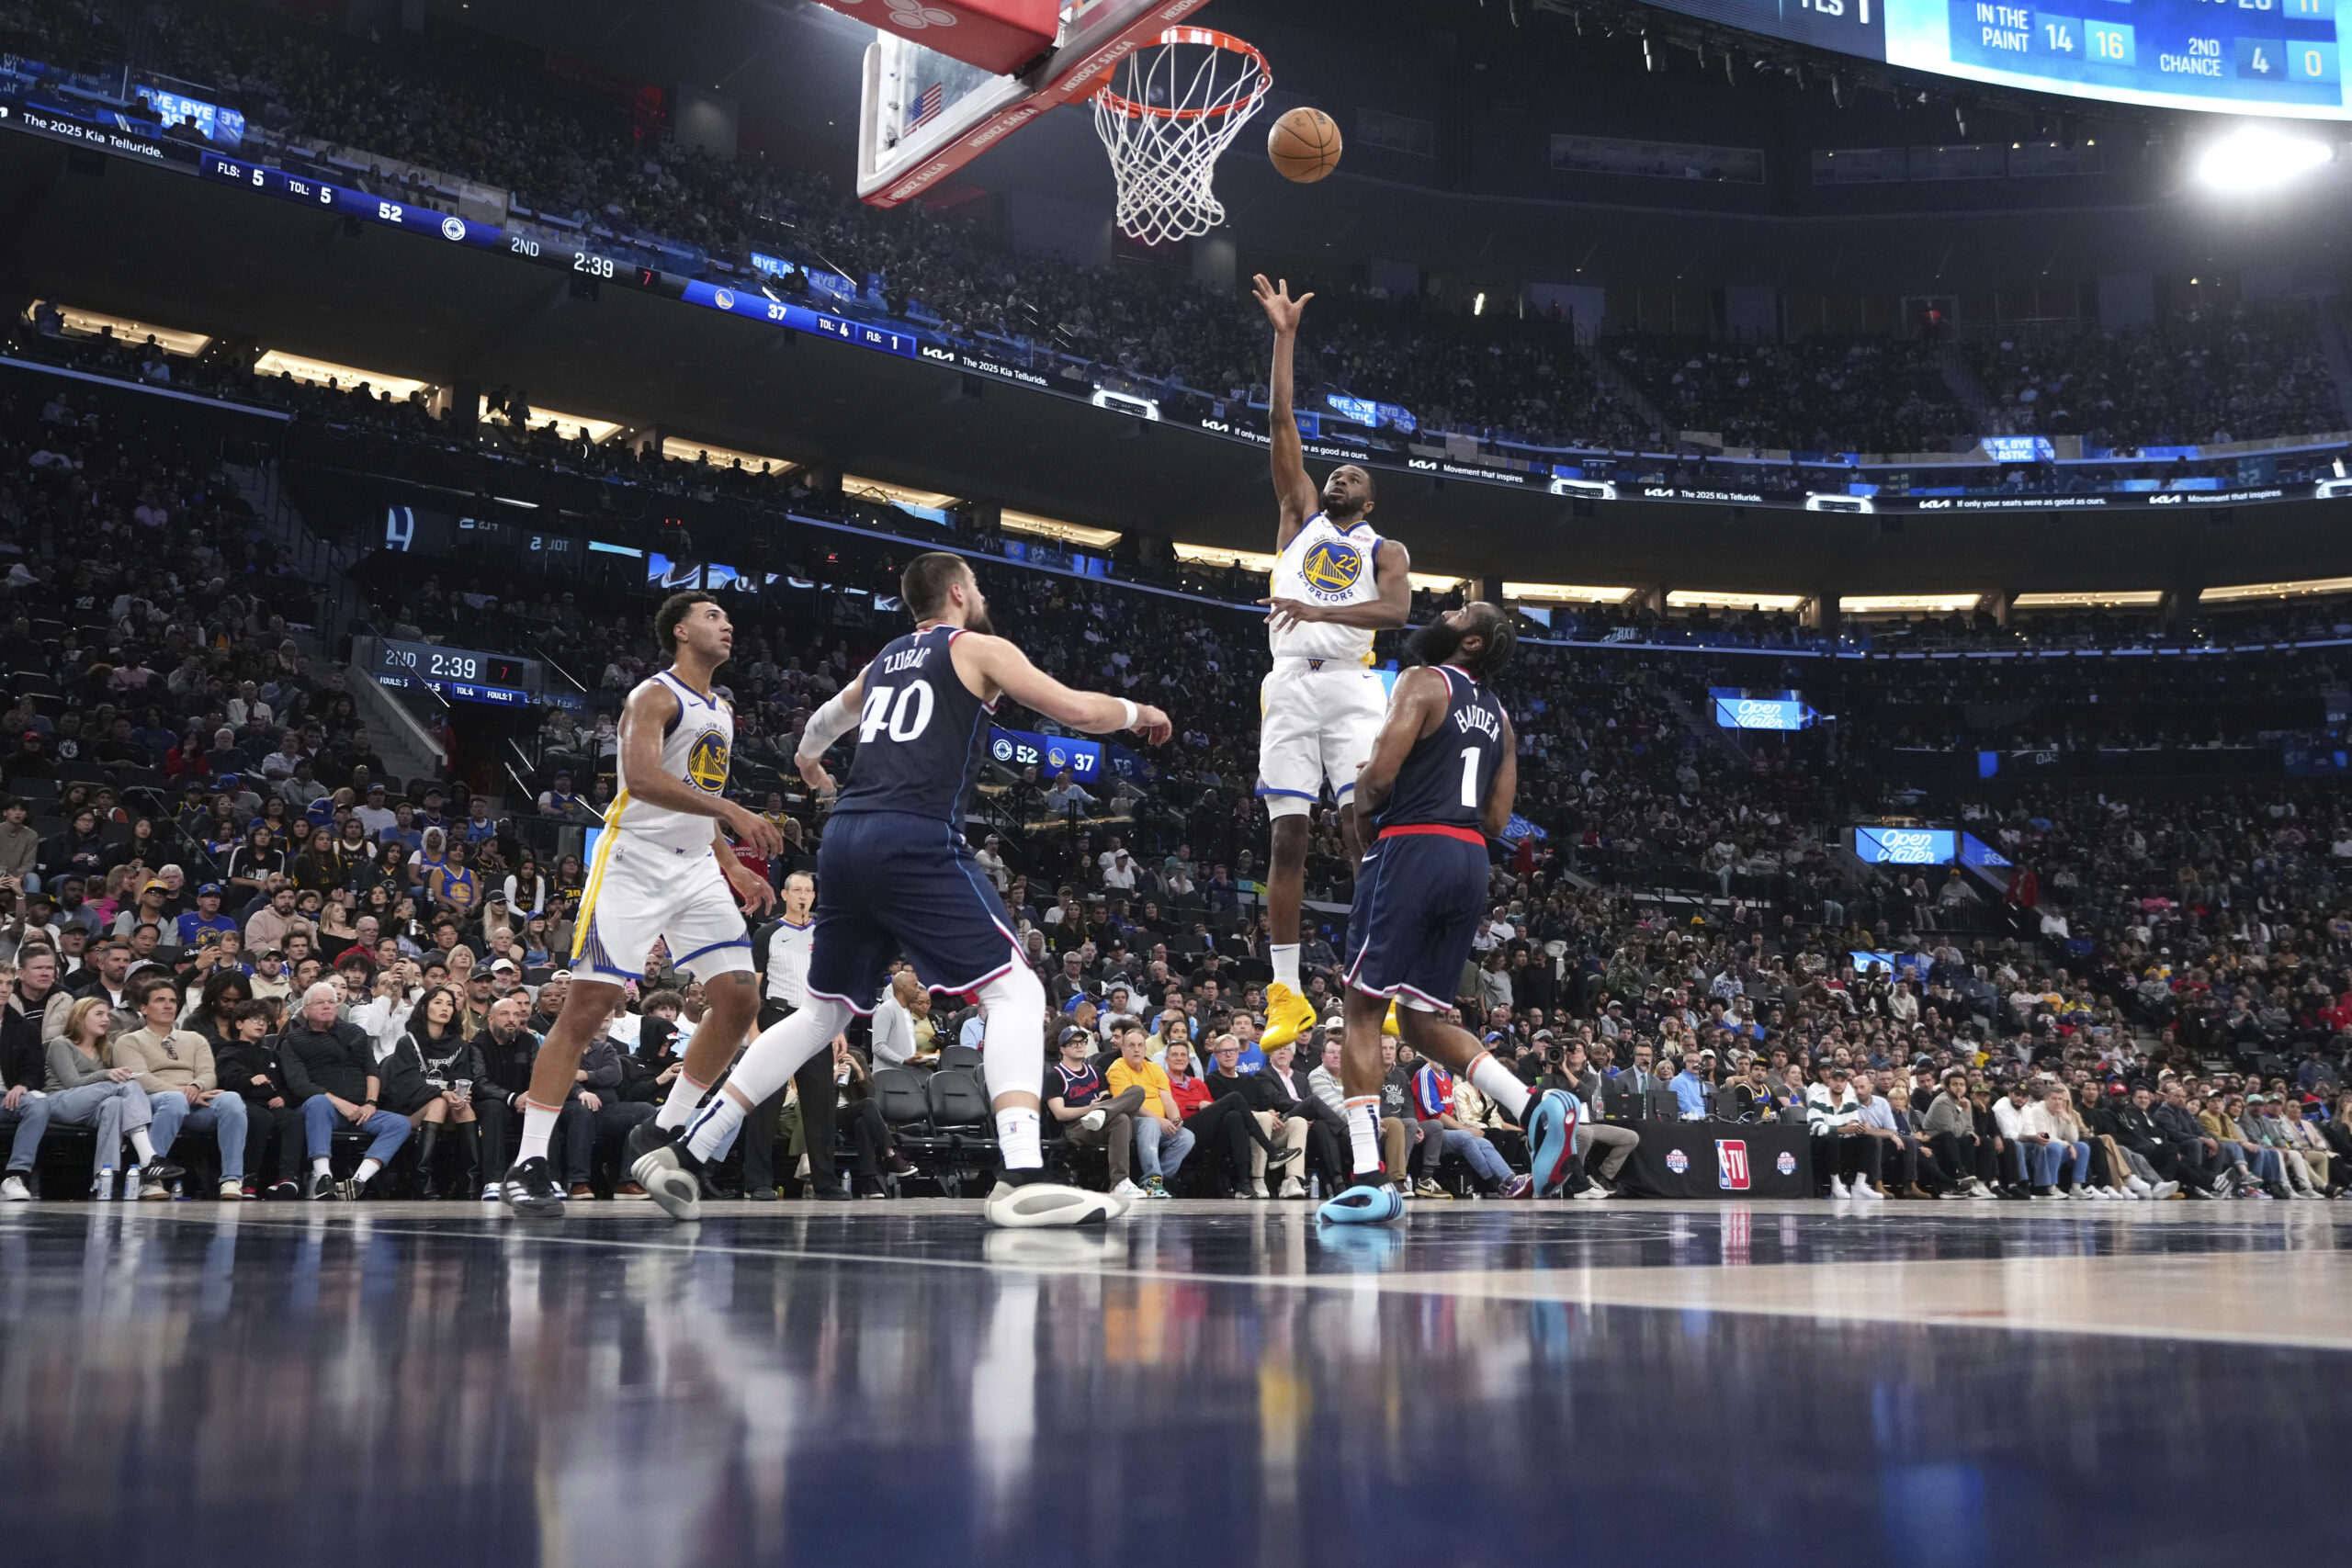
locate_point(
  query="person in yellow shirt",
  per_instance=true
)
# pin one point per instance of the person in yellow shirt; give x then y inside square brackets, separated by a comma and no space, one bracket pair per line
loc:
[1161,1139]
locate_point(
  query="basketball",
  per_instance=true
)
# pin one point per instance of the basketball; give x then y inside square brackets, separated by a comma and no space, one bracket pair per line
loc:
[1304,145]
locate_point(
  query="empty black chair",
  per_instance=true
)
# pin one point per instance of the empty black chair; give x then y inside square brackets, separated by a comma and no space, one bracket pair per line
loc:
[906,1106]
[962,1118]
[966,1058]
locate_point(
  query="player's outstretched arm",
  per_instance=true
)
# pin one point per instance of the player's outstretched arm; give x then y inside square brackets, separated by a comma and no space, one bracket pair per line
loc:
[649,708]
[1503,793]
[1005,667]
[827,725]
[1420,700]
[1292,486]
[1394,578]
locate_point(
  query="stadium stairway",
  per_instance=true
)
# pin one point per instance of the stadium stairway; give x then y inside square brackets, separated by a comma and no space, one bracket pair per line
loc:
[1617,385]
[1961,382]
[2339,358]
[1713,734]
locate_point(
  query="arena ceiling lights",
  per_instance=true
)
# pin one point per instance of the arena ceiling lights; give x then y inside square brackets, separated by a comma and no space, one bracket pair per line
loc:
[1211,555]
[2302,588]
[91,323]
[1566,593]
[326,372]
[2092,599]
[1717,599]
[677,449]
[1054,528]
[2257,156]
[1908,604]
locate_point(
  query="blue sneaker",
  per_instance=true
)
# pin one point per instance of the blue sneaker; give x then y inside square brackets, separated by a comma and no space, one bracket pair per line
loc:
[1551,1140]
[1366,1204]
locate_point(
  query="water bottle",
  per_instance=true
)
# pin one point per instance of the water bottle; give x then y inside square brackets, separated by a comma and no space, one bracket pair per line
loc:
[1315,1187]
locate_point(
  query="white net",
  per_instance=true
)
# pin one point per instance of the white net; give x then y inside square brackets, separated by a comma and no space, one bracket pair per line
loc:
[1167,114]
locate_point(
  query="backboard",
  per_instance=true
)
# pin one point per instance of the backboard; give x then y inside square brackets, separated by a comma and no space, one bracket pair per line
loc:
[925,113]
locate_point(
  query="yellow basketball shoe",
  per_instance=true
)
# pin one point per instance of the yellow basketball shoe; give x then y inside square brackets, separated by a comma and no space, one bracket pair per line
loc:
[1388,1025]
[1288,1016]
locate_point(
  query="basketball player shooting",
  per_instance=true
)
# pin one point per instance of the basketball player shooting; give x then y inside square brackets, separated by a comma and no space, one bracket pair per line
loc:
[1335,583]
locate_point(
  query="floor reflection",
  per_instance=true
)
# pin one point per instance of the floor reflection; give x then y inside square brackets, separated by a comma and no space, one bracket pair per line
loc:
[365,1385]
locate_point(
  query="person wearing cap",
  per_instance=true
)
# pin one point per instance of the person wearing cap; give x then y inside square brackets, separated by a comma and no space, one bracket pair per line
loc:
[1080,1105]
[558,800]
[204,923]
[374,813]
[991,857]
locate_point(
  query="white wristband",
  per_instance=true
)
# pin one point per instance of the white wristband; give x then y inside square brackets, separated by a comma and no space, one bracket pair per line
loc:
[1132,713]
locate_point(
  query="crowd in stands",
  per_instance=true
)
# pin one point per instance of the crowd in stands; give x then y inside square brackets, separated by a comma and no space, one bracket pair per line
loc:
[582,157]
[1819,395]
[2202,376]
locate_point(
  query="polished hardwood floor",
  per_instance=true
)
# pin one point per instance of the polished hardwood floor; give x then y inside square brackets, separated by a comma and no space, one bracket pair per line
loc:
[1924,1385]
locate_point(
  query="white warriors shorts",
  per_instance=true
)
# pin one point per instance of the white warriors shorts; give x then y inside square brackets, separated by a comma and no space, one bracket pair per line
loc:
[1319,720]
[637,890]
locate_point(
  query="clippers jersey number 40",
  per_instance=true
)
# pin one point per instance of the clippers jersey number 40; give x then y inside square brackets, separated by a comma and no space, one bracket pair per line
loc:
[903,711]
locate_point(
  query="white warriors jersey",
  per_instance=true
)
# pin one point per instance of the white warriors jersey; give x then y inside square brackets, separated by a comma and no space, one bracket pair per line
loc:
[695,748]
[1325,564]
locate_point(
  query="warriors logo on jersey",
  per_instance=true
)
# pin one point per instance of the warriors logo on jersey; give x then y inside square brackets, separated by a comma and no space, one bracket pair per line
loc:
[1331,569]
[707,763]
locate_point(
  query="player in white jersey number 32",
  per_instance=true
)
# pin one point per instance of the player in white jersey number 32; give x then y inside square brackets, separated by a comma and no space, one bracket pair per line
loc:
[1335,583]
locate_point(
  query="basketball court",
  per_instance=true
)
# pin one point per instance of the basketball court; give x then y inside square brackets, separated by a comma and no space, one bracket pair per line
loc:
[1486,1383]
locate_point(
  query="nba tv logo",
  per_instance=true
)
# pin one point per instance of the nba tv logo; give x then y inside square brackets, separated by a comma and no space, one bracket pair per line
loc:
[1730,1164]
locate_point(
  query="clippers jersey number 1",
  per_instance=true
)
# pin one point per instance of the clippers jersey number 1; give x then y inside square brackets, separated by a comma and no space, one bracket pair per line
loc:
[904,711]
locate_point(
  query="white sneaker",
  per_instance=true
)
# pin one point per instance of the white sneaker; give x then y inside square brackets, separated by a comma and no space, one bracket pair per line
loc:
[1292,1187]
[2162,1190]
[1043,1203]
[1092,1121]
[233,1191]
[1129,1191]
[14,1191]
[1596,1193]
[490,1192]
[150,1191]
[1868,1194]
[2138,1187]
[1837,1188]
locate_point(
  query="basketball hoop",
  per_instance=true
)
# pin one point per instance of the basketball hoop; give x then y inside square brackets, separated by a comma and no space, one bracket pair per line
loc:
[1165,114]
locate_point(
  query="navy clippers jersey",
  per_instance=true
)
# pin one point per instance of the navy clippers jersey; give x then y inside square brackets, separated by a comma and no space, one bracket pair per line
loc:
[921,735]
[1450,772]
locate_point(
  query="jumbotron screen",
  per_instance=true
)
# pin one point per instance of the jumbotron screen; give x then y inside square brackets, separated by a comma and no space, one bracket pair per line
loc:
[2274,57]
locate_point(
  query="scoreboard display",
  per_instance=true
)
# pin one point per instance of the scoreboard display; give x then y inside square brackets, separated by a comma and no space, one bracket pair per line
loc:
[2276,56]
[2272,57]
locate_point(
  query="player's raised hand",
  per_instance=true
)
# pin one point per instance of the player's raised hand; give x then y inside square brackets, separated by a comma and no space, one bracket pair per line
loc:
[1153,726]
[1280,308]
[749,828]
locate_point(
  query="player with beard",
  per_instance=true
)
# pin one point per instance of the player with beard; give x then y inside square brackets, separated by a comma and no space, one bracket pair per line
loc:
[895,875]
[1335,583]
[1438,784]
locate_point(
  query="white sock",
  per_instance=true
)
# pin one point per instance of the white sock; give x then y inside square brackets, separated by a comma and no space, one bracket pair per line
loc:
[767,1066]
[319,1167]
[1501,1084]
[1362,1113]
[368,1167]
[1285,957]
[1018,1138]
[685,1095]
[142,1146]
[538,1126]
[1013,1053]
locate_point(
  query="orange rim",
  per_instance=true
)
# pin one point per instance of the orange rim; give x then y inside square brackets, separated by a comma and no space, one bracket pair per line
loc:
[1209,38]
